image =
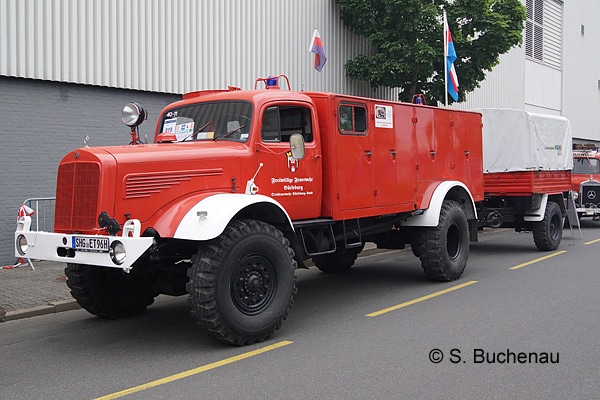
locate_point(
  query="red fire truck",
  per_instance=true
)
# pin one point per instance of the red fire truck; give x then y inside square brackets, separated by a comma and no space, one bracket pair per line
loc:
[586,180]
[241,187]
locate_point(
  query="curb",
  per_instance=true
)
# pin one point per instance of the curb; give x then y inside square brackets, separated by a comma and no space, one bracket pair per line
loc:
[50,308]
[67,305]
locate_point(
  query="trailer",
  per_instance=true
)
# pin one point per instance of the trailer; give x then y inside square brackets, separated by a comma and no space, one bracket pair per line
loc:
[527,160]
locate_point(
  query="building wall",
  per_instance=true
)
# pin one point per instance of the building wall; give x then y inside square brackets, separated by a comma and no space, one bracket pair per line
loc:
[176,46]
[67,68]
[581,101]
[504,86]
[528,78]
[41,122]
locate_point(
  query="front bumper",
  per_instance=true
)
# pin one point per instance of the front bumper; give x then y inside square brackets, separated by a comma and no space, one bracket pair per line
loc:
[588,212]
[58,247]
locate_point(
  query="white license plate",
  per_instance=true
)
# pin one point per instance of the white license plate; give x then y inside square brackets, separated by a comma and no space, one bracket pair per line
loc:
[95,244]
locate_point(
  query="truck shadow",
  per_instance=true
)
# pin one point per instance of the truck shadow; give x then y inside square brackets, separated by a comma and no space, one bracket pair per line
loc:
[168,326]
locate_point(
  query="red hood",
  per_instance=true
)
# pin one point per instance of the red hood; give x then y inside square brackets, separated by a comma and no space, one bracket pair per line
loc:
[135,181]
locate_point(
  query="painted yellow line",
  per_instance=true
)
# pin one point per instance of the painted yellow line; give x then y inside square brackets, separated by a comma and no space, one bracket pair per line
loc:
[592,241]
[194,371]
[420,299]
[538,259]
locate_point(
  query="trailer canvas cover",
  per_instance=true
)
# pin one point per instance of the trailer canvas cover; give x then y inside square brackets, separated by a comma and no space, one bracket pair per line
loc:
[516,140]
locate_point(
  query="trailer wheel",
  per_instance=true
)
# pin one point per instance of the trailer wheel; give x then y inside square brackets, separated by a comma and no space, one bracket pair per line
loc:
[444,250]
[243,283]
[340,261]
[108,292]
[547,233]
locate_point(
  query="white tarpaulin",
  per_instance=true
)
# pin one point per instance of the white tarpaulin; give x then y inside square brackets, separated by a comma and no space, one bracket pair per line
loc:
[516,140]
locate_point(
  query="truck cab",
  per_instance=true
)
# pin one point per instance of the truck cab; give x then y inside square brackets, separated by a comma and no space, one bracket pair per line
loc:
[586,180]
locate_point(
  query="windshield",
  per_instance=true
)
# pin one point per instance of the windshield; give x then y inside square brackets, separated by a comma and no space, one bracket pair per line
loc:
[588,166]
[229,120]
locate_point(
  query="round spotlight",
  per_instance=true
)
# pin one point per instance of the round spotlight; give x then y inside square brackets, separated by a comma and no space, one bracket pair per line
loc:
[133,114]
[22,245]
[117,252]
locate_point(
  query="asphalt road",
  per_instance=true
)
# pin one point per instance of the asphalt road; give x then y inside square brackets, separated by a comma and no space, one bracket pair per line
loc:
[519,324]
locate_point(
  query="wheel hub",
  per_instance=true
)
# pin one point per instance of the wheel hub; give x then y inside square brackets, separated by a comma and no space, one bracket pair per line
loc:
[254,283]
[252,289]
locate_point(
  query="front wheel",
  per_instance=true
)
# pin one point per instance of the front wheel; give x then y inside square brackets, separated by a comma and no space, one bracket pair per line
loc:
[242,284]
[444,250]
[547,233]
[108,292]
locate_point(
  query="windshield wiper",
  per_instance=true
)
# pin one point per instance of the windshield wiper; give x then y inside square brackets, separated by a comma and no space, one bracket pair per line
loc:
[196,132]
[231,132]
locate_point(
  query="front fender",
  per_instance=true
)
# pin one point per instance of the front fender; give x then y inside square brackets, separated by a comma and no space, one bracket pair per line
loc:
[208,218]
[451,190]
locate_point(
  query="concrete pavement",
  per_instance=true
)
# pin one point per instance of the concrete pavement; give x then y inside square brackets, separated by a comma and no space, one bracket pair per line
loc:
[27,293]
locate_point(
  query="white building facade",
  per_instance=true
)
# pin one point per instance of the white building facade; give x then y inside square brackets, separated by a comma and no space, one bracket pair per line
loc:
[556,70]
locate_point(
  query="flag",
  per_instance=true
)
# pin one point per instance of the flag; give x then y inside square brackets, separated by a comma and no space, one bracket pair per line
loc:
[316,46]
[450,57]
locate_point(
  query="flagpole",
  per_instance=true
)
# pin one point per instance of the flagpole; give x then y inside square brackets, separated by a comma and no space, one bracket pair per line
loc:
[445,60]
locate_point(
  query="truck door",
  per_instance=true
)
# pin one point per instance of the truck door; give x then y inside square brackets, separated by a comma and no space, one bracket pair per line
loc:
[295,184]
[394,155]
[385,159]
[354,154]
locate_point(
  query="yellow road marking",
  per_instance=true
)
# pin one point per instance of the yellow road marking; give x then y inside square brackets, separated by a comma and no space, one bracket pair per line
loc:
[538,259]
[194,371]
[592,241]
[420,299]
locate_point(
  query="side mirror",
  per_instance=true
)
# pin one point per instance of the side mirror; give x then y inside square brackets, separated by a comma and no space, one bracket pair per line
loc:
[297,146]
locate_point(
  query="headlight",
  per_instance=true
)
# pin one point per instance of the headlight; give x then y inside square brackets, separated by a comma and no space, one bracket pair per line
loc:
[133,114]
[22,244]
[117,252]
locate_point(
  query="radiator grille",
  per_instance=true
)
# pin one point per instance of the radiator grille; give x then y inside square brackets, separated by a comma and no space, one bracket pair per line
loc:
[77,191]
[590,195]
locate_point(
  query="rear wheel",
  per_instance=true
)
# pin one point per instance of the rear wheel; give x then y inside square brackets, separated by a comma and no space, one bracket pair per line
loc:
[242,284]
[108,292]
[547,233]
[444,250]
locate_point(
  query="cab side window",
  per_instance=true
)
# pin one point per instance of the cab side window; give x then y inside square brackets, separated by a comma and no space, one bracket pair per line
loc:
[280,122]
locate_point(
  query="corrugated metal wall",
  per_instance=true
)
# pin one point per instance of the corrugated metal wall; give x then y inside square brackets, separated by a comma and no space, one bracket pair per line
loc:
[581,55]
[503,87]
[175,46]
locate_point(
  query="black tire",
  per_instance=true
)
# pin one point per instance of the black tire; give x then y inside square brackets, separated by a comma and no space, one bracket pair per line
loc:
[340,261]
[108,292]
[547,233]
[415,247]
[242,284]
[444,250]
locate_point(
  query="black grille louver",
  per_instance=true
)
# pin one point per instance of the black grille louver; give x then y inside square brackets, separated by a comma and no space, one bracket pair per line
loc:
[590,195]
